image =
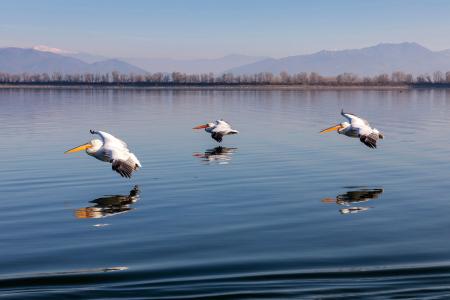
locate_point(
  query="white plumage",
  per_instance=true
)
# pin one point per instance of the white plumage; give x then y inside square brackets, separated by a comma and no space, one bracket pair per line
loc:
[357,127]
[218,129]
[113,150]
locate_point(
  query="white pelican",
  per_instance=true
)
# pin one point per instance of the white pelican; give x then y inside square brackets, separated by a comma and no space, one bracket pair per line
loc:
[111,149]
[218,129]
[357,128]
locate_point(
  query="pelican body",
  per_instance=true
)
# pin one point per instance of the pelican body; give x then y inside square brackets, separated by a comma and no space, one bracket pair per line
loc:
[113,150]
[218,129]
[357,127]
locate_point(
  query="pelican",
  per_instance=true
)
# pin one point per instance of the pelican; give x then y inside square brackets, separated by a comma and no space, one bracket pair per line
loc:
[217,129]
[111,149]
[357,127]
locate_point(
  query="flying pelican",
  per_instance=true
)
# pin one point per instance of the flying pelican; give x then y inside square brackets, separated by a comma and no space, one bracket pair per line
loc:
[217,129]
[111,149]
[357,128]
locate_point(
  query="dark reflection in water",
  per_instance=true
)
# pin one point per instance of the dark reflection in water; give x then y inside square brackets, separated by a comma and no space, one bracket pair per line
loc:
[220,155]
[107,206]
[358,195]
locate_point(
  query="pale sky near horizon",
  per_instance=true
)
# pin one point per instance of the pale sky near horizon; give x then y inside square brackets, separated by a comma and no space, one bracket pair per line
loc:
[208,28]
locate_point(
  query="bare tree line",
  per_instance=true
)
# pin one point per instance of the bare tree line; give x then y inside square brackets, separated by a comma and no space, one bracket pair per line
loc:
[264,78]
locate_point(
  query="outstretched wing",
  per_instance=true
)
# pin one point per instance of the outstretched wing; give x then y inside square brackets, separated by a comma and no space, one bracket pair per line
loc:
[223,128]
[109,139]
[123,161]
[217,136]
[125,167]
[370,140]
[354,120]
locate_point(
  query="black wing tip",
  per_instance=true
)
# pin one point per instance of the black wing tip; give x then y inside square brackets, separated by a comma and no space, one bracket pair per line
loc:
[122,170]
[370,145]
[368,142]
[217,137]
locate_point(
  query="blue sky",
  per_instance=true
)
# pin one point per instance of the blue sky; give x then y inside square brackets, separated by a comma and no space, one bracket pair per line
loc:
[210,28]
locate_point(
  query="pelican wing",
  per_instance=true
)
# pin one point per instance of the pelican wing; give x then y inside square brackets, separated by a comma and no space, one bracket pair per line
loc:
[125,167]
[223,128]
[110,140]
[218,136]
[370,140]
[123,161]
[354,120]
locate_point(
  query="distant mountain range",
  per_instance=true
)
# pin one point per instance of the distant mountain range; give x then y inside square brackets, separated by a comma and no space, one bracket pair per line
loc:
[382,58]
[19,60]
[216,65]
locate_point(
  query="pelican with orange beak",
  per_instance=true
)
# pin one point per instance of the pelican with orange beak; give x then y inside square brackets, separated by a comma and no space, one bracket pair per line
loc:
[111,149]
[217,129]
[357,127]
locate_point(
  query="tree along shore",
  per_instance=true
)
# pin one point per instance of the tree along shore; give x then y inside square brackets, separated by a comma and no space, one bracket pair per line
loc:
[261,80]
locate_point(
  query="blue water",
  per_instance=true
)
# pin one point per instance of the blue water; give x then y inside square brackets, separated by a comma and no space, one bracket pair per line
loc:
[279,212]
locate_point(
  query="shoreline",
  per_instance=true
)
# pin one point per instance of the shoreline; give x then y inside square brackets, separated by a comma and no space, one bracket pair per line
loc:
[210,87]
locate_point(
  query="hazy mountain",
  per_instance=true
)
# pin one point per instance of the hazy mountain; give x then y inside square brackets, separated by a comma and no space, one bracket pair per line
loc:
[110,65]
[445,52]
[217,65]
[86,57]
[382,58]
[19,60]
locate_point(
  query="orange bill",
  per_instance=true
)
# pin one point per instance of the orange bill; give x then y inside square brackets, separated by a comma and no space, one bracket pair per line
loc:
[336,127]
[201,126]
[79,148]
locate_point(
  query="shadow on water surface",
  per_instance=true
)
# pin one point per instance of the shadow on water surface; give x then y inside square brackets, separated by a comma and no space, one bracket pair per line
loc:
[111,205]
[355,195]
[219,155]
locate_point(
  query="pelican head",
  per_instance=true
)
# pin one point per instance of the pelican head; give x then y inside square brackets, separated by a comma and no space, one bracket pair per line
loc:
[91,148]
[340,128]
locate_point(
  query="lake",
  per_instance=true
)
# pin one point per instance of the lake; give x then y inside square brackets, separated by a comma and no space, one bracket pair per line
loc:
[280,211]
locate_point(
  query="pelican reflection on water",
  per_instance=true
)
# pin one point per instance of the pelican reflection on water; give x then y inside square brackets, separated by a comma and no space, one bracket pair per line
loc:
[107,206]
[355,196]
[220,155]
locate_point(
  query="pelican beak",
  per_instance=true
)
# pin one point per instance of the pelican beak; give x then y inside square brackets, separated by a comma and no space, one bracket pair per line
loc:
[201,126]
[336,127]
[79,148]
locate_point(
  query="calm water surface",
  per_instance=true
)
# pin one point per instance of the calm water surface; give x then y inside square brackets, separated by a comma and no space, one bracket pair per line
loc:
[278,212]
